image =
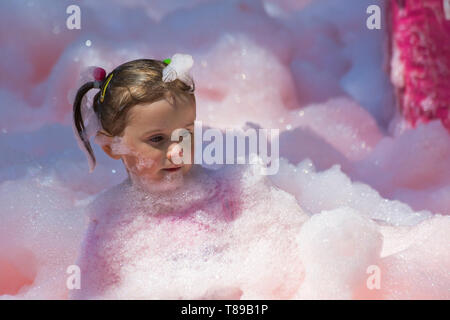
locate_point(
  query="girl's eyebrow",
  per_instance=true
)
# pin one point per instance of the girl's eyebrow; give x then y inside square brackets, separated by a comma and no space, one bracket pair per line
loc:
[151,131]
[156,130]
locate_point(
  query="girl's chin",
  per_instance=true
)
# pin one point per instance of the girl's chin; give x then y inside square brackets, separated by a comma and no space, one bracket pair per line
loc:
[163,181]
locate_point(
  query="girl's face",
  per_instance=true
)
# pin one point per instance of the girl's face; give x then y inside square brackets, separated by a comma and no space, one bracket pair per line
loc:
[146,147]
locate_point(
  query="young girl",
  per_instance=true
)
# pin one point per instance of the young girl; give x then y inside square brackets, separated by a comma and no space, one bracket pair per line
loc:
[177,231]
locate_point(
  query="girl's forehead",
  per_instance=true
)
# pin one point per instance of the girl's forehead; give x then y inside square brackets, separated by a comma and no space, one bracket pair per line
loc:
[160,115]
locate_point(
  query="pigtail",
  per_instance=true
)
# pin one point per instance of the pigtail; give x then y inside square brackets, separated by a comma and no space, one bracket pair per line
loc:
[78,124]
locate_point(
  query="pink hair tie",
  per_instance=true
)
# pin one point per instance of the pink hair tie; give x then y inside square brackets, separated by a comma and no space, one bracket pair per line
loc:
[99,75]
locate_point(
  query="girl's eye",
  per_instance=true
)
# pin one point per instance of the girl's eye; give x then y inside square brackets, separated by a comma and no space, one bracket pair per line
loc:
[156,139]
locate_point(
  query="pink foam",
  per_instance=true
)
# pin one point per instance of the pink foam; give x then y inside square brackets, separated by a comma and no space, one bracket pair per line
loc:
[349,193]
[421,45]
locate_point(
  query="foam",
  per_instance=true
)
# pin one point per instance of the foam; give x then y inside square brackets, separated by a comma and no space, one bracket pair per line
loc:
[219,243]
[337,246]
[352,175]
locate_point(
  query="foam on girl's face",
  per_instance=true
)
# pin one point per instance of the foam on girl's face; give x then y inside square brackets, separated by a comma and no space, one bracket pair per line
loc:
[142,166]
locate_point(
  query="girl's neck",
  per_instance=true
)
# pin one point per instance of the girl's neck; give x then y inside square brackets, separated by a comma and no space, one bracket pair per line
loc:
[196,186]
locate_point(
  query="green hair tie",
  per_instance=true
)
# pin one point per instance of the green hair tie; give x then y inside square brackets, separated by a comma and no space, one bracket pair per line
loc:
[167,61]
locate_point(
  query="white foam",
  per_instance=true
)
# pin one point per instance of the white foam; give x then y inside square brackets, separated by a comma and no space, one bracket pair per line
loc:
[265,63]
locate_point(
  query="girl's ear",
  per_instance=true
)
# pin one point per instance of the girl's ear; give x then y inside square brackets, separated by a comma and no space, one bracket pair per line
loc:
[106,141]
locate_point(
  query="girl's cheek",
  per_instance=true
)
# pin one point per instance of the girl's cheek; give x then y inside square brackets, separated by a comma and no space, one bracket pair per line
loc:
[151,161]
[130,163]
[142,163]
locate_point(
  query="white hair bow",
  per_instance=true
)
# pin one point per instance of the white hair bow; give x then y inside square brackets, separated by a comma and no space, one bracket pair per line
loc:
[179,68]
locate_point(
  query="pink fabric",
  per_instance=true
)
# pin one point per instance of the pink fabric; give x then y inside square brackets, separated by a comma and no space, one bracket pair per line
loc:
[421,35]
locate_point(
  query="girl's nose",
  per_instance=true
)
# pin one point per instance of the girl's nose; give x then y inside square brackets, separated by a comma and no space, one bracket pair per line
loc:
[175,153]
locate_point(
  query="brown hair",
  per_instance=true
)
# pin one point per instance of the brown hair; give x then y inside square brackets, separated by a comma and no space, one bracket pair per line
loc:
[132,83]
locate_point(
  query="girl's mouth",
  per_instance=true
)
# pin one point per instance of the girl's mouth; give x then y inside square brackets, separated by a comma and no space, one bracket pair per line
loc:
[172,169]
